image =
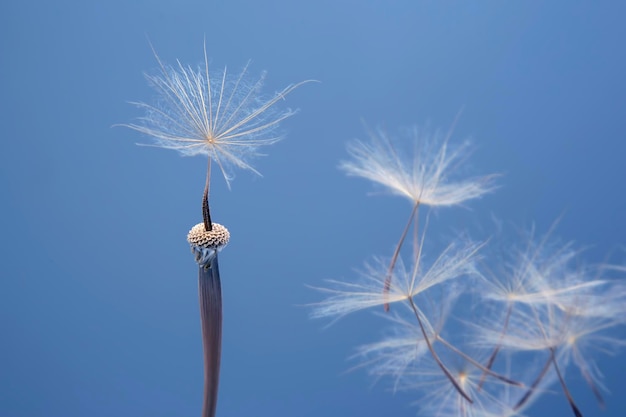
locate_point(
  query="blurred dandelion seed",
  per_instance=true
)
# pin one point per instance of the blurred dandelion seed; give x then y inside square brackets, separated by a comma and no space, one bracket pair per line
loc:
[454,262]
[424,178]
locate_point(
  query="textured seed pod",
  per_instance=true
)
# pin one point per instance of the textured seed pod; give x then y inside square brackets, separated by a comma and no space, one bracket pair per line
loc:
[204,245]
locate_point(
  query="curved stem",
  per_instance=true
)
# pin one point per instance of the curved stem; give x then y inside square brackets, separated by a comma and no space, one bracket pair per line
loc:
[396,253]
[435,356]
[534,385]
[210,296]
[568,395]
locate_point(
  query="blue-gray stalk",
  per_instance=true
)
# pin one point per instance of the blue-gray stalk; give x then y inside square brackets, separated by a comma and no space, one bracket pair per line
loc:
[205,245]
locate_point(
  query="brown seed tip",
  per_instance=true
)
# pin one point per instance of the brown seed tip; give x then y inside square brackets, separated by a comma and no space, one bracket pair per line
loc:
[217,238]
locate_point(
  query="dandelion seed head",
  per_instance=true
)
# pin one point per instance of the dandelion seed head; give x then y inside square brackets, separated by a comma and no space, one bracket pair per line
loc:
[215,238]
[205,244]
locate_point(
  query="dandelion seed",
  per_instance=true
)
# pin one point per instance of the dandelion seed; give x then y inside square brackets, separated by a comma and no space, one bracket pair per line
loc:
[424,176]
[346,297]
[456,260]
[218,114]
[225,117]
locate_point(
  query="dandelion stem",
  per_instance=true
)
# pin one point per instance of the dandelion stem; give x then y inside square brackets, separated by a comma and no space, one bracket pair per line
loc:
[552,358]
[206,212]
[534,385]
[210,295]
[435,356]
[568,395]
[396,254]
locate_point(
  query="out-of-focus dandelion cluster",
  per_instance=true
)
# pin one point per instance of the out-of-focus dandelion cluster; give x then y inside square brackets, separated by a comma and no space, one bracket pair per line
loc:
[473,339]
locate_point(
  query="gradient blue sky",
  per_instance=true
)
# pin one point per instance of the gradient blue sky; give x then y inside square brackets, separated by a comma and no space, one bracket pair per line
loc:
[98,297]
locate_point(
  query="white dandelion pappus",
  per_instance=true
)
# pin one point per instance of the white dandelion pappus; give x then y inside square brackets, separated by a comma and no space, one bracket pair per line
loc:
[218,114]
[456,260]
[425,177]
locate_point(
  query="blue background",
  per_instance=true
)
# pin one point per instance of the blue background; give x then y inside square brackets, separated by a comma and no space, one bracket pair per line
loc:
[98,297]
